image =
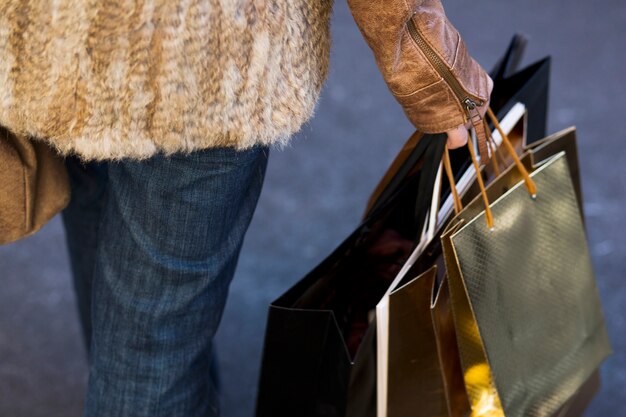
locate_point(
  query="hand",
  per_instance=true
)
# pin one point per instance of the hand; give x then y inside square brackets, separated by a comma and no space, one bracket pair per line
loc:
[458,137]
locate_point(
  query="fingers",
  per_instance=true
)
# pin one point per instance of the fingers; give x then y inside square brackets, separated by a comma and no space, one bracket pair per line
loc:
[457,137]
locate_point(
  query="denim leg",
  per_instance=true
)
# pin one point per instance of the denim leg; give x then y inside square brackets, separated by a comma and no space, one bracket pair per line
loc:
[169,240]
[81,219]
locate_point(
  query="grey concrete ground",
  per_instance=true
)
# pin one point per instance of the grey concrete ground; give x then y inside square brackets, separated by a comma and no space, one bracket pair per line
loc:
[316,190]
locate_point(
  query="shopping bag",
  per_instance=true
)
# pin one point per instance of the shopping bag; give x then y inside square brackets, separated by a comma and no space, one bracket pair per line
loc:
[415,336]
[423,371]
[424,376]
[527,314]
[319,356]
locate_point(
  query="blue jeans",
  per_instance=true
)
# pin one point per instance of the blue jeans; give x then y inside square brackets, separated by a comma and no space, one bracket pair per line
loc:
[153,247]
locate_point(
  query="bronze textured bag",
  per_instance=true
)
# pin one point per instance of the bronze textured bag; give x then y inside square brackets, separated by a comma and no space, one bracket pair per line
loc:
[33,186]
[423,371]
[527,314]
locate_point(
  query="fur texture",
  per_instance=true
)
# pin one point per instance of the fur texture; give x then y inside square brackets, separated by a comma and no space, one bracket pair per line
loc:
[129,78]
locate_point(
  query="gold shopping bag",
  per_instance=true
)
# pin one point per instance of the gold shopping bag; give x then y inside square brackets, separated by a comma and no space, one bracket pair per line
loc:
[418,364]
[527,314]
[423,370]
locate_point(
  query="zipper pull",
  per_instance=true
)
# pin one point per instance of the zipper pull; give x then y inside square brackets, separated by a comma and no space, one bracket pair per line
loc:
[479,128]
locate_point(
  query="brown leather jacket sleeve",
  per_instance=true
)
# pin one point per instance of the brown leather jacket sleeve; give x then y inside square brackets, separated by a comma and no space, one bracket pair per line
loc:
[428,99]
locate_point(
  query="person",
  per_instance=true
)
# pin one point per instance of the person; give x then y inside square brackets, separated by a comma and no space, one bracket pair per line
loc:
[166,111]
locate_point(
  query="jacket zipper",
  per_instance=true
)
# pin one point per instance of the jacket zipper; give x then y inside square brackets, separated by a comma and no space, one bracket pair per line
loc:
[470,104]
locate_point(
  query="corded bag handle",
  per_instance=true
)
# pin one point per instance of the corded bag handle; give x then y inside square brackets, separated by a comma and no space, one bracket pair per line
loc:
[530,184]
[433,220]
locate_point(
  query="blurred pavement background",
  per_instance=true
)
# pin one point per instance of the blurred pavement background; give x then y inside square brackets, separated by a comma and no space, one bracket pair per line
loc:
[315,192]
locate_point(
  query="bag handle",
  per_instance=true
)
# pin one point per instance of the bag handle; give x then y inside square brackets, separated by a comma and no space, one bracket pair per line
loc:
[496,151]
[432,222]
[530,184]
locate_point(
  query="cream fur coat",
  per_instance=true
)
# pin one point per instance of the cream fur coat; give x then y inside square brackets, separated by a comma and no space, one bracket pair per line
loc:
[108,79]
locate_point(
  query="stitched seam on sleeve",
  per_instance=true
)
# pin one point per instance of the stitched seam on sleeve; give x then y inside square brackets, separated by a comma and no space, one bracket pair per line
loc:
[403,95]
[441,127]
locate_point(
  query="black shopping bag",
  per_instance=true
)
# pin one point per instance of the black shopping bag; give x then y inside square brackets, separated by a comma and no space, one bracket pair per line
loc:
[319,357]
